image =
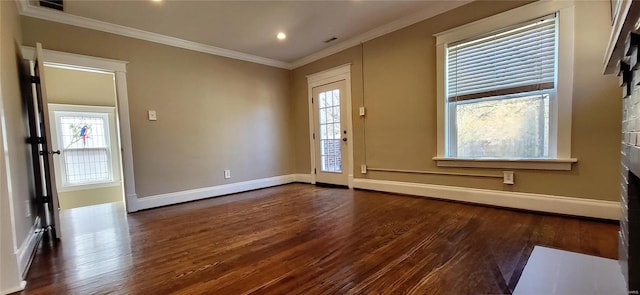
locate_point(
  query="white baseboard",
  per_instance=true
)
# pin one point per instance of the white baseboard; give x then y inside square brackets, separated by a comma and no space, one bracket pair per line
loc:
[14,289]
[207,192]
[527,201]
[28,246]
[132,203]
[304,178]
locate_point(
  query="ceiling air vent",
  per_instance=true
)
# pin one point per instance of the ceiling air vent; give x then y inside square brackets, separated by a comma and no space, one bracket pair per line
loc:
[53,4]
[331,39]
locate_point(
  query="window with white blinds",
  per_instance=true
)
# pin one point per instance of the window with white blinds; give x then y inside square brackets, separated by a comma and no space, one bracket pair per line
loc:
[514,60]
[499,91]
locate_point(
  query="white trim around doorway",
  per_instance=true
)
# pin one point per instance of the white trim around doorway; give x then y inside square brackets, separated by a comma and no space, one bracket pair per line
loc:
[335,74]
[119,69]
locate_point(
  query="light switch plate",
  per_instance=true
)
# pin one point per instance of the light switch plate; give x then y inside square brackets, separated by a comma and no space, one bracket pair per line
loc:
[361,111]
[152,115]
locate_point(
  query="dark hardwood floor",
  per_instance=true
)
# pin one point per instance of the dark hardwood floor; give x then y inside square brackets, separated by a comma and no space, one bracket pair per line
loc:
[302,239]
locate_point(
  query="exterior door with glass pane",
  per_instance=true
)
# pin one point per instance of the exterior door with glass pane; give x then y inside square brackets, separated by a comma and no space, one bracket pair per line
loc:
[330,136]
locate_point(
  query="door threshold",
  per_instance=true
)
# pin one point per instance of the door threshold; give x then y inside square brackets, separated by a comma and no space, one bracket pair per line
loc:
[322,184]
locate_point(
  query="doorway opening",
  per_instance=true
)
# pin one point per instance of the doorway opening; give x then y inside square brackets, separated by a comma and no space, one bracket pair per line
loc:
[80,137]
[82,116]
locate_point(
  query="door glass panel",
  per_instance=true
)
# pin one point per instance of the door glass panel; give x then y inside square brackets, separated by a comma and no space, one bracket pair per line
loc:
[329,115]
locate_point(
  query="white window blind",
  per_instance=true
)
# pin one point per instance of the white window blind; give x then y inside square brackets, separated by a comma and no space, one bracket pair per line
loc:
[521,58]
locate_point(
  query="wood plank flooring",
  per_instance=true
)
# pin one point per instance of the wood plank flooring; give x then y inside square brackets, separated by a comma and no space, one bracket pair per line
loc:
[303,239]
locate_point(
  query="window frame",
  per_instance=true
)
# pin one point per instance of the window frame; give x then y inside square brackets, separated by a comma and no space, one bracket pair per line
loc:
[560,105]
[107,114]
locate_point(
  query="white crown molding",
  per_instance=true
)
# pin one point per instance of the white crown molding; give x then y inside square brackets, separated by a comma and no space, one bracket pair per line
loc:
[527,201]
[29,10]
[26,9]
[437,8]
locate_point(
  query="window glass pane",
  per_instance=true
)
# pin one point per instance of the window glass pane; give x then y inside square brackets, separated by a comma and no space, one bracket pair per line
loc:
[323,116]
[83,131]
[325,101]
[324,163]
[331,159]
[323,131]
[87,165]
[329,131]
[336,131]
[336,97]
[85,147]
[329,114]
[504,127]
[336,114]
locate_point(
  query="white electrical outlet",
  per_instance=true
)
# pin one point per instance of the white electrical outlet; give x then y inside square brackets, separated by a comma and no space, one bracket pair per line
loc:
[363,169]
[227,174]
[508,177]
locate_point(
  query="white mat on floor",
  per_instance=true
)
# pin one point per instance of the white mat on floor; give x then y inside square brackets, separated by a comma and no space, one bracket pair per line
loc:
[556,272]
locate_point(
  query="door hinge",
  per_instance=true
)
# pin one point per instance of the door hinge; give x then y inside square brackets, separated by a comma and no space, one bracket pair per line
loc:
[312,100]
[35,140]
[314,136]
[35,79]
[314,171]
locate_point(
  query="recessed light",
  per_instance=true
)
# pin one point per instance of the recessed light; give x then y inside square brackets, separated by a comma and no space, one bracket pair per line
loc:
[281,36]
[156,0]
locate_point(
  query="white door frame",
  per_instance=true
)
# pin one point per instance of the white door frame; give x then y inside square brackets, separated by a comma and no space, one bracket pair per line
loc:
[119,69]
[335,74]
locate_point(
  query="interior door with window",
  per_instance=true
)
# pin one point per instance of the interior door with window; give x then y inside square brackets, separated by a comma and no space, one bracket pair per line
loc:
[40,140]
[330,134]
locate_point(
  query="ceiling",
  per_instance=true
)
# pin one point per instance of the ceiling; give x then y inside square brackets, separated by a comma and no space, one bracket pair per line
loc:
[250,27]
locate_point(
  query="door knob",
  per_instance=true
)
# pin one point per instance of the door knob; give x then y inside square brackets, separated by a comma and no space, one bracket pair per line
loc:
[42,153]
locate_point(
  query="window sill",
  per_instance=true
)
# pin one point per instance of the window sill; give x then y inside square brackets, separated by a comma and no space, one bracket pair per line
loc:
[532,164]
[80,187]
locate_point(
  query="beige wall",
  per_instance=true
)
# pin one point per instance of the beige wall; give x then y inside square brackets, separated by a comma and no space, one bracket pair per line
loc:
[214,113]
[209,120]
[79,198]
[66,86]
[399,131]
[15,186]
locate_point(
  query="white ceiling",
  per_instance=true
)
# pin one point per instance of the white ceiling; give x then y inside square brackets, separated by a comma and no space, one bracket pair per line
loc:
[250,26]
